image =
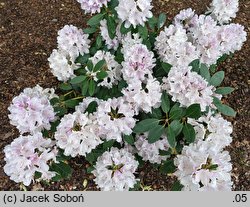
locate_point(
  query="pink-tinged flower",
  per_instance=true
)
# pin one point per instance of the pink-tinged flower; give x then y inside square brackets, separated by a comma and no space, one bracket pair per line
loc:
[114,170]
[93,6]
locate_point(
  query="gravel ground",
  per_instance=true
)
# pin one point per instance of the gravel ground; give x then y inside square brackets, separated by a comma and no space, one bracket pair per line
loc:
[28,31]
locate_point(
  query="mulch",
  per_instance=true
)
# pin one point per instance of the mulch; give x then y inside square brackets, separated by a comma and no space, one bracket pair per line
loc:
[28,31]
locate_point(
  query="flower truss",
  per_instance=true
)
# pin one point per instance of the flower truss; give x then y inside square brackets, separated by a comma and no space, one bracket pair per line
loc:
[135,88]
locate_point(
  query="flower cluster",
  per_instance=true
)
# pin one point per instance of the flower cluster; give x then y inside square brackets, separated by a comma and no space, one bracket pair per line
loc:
[138,92]
[27,155]
[115,170]
[31,111]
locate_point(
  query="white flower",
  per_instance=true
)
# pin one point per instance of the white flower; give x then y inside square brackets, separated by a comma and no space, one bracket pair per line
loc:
[184,17]
[143,95]
[214,129]
[188,87]
[27,155]
[115,118]
[129,40]
[134,12]
[111,43]
[112,68]
[174,48]
[232,37]
[92,6]
[73,41]
[85,103]
[224,10]
[62,65]
[202,168]
[31,110]
[77,134]
[114,170]
[151,152]
[138,62]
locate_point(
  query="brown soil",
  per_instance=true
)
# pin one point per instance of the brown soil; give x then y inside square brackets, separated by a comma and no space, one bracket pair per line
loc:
[28,31]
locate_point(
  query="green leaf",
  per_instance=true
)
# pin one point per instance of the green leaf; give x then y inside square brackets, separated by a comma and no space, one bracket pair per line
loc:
[60,111]
[177,186]
[95,20]
[65,87]
[189,133]
[82,59]
[62,170]
[145,125]
[224,90]
[194,111]
[78,79]
[226,110]
[125,30]
[54,101]
[85,87]
[177,126]
[129,139]
[143,31]
[98,42]
[204,72]
[171,137]
[108,144]
[111,27]
[99,65]
[101,75]
[92,107]
[156,113]
[166,67]
[165,102]
[168,167]
[155,133]
[71,103]
[90,169]
[152,22]
[217,78]
[161,20]
[90,65]
[90,30]
[176,112]
[195,65]
[92,86]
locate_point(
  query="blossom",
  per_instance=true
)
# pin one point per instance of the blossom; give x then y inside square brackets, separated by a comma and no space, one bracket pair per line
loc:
[112,67]
[27,155]
[73,40]
[183,18]
[232,37]
[93,6]
[115,118]
[214,129]
[114,170]
[151,152]
[77,134]
[143,95]
[62,65]
[202,168]
[31,111]
[111,43]
[188,87]
[138,62]
[224,10]
[82,106]
[134,12]
[174,48]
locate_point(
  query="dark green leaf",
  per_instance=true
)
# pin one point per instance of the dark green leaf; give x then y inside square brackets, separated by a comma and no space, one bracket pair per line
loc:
[155,133]
[125,30]
[65,87]
[177,186]
[90,65]
[143,31]
[95,20]
[168,167]
[171,137]
[224,90]
[156,113]
[195,65]
[85,87]
[54,101]
[189,133]
[98,42]
[152,22]
[145,125]
[204,72]
[161,20]
[78,79]
[194,111]
[166,67]
[90,30]
[177,126]
[60,111]
[62,170]
[71,103]
[108,144]
[165,102]
[217,78]
[129,139]
[92,86]
[90,169]
[226,110]
[111,27]
[92,107]
[176,112]
[99,65]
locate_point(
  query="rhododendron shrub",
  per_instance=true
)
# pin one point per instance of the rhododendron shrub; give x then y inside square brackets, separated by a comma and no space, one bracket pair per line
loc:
[135,89]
